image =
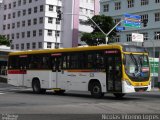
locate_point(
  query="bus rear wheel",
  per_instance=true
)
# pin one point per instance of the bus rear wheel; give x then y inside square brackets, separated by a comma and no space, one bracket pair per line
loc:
[119,95]
[37,87]
[96,90]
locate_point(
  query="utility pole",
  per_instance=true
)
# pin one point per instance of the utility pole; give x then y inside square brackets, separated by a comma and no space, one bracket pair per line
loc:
[97,25]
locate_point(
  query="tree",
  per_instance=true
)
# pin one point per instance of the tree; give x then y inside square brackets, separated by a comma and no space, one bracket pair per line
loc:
[96,37]
[4,40]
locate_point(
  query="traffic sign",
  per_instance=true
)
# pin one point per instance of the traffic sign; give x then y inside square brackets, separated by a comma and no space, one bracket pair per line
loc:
[132,20]
[136,37]
[120,28]
[154,64]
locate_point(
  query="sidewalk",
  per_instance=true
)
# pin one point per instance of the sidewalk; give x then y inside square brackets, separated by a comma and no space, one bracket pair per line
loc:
[3,79]
[155,89]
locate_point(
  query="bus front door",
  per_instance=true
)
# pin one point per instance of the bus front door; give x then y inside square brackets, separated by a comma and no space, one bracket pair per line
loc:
[56,69]
[113,72]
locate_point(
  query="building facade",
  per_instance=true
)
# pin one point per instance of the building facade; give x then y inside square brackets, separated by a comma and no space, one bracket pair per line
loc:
[33,24]
[149,10]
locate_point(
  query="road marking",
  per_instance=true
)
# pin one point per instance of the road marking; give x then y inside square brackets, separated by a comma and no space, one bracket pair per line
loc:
[2,93]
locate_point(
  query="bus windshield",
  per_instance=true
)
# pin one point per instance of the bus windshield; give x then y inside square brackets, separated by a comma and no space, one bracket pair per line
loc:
[137,66]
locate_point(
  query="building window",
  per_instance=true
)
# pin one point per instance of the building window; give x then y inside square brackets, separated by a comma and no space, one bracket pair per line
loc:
[57,33]
[157,1]
[4,27]
[12,36]
[50,20]
[41,8]
[106,8]
[29,22]
[24,12]
[117,5]
[30,1]
[22,46]
[23,23]
[14,4]
[13,25]
[144,17]
[34,33]
[17,35]
[29,11]
[58,21]
[145,36]
[18,24]
[9,6]
[51,7]
[24,2]
[28,45]
[13,14]
[130,3]
[5,7]
[4,17]
[34,21]
[144,2]
[117,20]
[12,46]
[34,45]
[9,16]
[49,45]
[28,34]
[19,2]
[17,46]
[8,26]
[35,9]
[157,16]
[157,35]
[23,34]
[117,38]
[40,45]
[129,37]
[40,32]
[40,20]
[19,13]
[49,32]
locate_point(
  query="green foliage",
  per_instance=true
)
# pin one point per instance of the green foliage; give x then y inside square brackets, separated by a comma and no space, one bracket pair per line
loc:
[93,39]
[106,23]
[4,41]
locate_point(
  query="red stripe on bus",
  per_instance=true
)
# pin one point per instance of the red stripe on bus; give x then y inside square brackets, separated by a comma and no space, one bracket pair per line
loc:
[17,71]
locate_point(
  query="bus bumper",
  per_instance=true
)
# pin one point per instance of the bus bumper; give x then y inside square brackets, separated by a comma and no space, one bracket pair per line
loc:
[128,88]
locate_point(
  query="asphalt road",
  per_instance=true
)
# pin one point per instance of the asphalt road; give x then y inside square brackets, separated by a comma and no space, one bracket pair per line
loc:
[15,101]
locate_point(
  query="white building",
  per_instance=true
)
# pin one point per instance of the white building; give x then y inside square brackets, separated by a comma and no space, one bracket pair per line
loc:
[33,24]
[147,9]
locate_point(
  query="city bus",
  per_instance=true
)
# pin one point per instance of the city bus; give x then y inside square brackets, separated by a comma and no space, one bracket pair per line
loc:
[115,68]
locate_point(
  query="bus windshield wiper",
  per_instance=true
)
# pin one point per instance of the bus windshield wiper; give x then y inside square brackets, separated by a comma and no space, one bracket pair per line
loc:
[136,64]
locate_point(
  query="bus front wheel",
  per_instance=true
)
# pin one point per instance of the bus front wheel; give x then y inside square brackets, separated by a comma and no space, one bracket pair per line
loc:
[96,90]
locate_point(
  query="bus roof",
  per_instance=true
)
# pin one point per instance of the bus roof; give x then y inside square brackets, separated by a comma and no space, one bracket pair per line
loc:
[75,49]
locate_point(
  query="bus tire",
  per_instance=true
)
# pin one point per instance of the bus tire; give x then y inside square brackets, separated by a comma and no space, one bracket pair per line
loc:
[37,87]
[119,95]
[96,90]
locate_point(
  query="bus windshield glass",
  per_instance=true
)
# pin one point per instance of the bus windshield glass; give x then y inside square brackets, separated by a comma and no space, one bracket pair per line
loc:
[137,66]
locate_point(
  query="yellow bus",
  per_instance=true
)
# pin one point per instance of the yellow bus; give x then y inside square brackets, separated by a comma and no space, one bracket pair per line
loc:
[115,68]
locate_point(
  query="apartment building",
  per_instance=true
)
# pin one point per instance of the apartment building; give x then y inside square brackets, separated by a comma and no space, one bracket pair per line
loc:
[33,24]
[149,10]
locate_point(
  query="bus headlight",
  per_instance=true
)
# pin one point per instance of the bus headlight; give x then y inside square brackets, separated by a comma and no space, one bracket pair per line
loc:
[128,82]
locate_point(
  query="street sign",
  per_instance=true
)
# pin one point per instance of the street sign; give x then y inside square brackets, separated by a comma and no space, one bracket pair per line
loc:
[136,37]
[120,28]
[132,20]
[154,64]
